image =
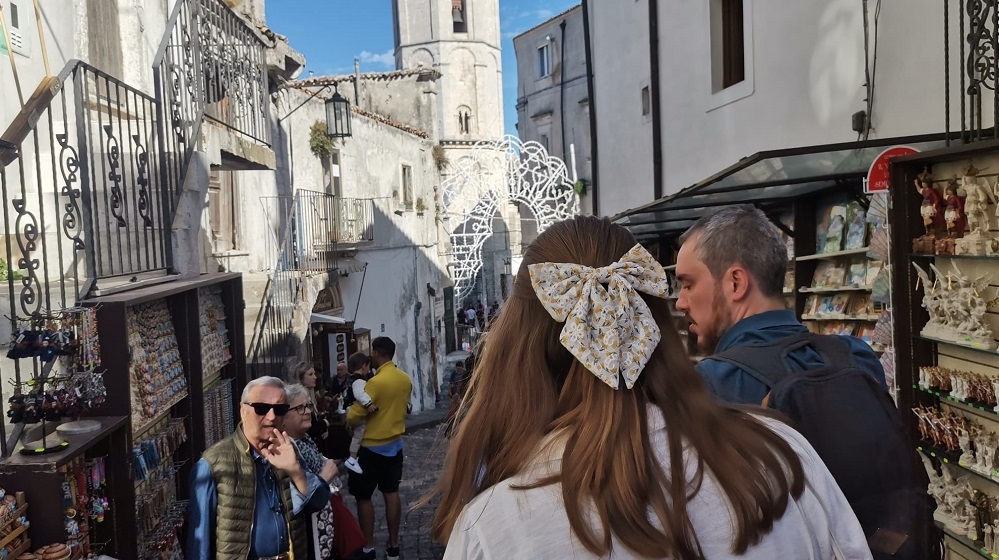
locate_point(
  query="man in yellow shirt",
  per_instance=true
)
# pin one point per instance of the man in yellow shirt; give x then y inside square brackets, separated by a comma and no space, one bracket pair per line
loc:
[380,455]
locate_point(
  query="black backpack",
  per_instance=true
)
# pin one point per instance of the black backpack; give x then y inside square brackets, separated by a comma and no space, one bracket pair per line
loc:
[853,424]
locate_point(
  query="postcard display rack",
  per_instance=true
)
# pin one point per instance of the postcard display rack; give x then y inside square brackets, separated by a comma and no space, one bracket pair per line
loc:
[173,358]
[841,276]
[946,287]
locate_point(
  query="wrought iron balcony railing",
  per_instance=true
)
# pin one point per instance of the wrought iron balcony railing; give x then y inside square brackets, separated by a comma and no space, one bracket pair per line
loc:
[91,181]
[211,63]
[83,199]
[975,37]
[355,221]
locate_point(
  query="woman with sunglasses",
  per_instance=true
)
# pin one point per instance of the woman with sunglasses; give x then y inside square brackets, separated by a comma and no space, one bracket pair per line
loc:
[297,423]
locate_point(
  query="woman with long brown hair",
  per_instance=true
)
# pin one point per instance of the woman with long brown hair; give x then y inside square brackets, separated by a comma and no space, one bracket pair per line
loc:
[596,437]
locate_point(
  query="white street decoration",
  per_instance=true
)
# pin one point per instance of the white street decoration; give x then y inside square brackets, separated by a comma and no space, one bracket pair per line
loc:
[480,184]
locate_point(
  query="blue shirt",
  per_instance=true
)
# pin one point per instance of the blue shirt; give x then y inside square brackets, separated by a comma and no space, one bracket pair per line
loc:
[734,385]
[270,528]
[389,449]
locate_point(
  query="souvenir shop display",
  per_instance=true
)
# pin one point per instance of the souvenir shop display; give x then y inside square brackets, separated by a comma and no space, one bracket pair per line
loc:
[956,307]
[978,196]
[215,353]
[117,490]
[946,364]
[158,377]
[219,421]
[60,376]
[13,524]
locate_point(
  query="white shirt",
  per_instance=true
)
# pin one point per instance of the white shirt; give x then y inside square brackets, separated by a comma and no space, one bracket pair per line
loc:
[502,523]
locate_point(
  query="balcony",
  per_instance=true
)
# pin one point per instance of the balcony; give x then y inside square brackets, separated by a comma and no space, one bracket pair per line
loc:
[355,223]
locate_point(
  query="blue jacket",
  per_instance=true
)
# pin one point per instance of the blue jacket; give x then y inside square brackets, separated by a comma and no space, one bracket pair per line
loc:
[734,385]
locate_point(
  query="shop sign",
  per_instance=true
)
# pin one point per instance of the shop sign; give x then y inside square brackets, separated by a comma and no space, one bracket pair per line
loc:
[878,179]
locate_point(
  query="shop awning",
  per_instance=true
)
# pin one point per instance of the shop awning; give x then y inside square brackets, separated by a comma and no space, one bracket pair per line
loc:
[323,318]
[769,180]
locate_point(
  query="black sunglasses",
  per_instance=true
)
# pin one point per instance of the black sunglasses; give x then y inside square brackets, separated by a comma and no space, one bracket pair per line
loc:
[262,408]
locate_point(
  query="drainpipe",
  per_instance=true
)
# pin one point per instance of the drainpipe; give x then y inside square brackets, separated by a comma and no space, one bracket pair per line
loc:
[357,82]
[416,332]
[419,358]
[561,88]
[657,156]
[591,93]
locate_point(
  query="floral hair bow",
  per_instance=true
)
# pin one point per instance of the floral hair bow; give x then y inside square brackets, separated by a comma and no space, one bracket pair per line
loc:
[610,330]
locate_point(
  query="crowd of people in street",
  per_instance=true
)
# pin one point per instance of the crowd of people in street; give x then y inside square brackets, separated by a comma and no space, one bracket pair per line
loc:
[479,316]
[272,490]
[584,429]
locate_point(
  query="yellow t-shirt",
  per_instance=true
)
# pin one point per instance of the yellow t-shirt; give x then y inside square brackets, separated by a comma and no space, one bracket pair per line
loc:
[389,389]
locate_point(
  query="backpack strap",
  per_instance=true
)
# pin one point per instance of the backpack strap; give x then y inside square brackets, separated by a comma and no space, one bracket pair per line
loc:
[768,363]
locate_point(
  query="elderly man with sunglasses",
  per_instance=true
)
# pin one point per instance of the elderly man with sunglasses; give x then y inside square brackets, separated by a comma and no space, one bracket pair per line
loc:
[250,493]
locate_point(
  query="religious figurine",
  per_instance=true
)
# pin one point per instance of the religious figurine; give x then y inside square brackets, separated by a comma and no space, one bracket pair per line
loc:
[932,303]
[976,205]
[954,213]
[967,456]
[931,209]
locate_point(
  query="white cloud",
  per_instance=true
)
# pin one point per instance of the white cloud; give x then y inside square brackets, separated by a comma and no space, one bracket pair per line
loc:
[386,59]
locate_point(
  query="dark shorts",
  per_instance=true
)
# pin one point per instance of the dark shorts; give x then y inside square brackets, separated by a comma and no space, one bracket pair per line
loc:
[381,472]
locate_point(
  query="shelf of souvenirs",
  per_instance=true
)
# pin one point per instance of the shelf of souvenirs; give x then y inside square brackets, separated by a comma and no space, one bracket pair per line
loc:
[934,255]
[984,410]
[873,317]
[140,430]
[211,378]
[976,546]
[832,289]
[975,347]
[76,445]
[833,255]
[953,458]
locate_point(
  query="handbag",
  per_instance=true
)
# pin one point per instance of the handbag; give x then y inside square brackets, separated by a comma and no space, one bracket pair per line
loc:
[347,536]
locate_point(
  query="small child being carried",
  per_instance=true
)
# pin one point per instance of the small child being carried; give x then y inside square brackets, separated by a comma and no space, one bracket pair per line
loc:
[360,367]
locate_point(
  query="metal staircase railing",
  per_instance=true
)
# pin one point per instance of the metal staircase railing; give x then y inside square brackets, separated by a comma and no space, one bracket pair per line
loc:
[91,183]
[300,244]
[83,201]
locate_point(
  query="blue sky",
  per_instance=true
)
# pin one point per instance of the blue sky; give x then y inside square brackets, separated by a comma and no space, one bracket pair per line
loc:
[332,33]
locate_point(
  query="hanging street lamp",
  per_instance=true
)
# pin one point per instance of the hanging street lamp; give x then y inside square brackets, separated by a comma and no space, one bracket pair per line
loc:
[338,115]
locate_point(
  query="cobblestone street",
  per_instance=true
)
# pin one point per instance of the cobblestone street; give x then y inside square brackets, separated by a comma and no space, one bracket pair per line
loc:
[425,449]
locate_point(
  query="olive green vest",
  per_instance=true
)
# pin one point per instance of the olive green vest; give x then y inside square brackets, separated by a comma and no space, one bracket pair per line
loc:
[231,463]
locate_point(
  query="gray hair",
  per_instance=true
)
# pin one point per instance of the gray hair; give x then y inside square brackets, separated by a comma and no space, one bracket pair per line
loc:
[265,381]
[296,391]
[741,235]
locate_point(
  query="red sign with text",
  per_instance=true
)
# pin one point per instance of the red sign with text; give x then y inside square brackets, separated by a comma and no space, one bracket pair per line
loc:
[878,179]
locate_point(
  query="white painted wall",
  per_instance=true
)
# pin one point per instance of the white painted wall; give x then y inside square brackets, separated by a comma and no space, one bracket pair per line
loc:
[807,81]
[403,259]
[805,78]
[619,43]
[543,96]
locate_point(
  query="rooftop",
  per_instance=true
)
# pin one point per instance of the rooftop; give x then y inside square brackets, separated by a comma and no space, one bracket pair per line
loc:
[547,21]
[317,81]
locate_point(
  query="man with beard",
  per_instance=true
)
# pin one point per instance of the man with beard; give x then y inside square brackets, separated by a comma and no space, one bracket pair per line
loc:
[731,269]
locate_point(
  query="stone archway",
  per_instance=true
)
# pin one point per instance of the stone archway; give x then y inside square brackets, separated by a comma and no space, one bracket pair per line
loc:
[484,182]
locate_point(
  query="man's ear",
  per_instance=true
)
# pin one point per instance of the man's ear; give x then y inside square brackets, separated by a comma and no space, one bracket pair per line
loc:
[738,283]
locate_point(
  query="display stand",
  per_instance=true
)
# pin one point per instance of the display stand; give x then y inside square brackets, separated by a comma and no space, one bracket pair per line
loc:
[154,331]
[948,369]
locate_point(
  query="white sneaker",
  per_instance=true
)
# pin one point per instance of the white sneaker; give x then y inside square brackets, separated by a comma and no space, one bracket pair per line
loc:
[352,464]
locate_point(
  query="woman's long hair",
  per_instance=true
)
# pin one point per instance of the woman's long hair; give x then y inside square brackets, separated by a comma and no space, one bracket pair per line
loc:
[527,385]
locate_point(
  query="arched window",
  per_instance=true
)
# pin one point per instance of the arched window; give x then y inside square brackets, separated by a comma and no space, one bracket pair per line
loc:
[459,17]
[464,120]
